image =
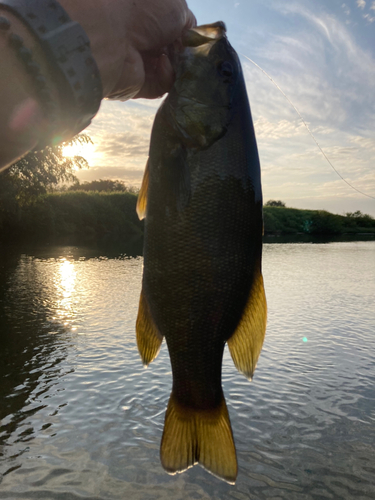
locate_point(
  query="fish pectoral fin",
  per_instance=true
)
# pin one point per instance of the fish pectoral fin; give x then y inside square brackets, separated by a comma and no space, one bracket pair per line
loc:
[177,178]
[142,195]
[246,342]
[194,436]
[149,338]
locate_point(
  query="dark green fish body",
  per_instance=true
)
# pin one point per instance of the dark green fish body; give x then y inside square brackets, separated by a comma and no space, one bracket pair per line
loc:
[202,283]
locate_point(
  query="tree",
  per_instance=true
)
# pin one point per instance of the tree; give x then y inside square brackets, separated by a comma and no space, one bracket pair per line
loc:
[35,174]
[41,171]
[323,222]
[275,203]
[358,219]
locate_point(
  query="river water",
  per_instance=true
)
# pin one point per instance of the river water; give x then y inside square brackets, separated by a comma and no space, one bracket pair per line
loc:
[80,418]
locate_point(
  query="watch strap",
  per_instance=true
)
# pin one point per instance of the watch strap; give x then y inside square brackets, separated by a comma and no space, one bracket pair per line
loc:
[67,49]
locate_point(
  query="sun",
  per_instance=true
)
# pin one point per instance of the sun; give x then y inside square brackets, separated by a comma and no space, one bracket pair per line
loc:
[87,151]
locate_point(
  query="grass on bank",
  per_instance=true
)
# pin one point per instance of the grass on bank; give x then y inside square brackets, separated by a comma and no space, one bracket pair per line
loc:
[76,214]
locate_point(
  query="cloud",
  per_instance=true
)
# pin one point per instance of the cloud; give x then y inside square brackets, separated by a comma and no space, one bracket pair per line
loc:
[369,18]
[345,9]
[361,4]
[364,142]
[277,130]
[124,144]
[372,6]
[121,133]
[321,69]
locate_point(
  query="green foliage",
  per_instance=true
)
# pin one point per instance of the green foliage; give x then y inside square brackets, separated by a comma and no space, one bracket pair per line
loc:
[279,220]
[34,175]
[41,171]
[358,219]
[285,220]
[103,185]
[275,203]
[79,216]
[323,222]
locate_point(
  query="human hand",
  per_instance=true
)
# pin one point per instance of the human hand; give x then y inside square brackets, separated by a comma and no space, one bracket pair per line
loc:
[128,39]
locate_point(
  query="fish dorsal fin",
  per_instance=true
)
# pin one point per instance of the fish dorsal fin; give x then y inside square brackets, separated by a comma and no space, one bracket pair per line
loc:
[149,338]
[246,342]
[204,34]
[142,195]
[194,436]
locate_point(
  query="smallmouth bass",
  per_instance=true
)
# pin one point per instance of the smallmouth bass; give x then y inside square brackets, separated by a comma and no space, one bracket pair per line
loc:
[202,283]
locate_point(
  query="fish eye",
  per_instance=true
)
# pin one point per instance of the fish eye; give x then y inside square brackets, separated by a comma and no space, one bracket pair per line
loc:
[226,69]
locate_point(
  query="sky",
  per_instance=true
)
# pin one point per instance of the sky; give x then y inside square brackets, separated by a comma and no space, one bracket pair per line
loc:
[322,55]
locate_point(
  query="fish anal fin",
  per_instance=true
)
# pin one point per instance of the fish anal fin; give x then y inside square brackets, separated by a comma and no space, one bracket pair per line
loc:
[149,338]
[194,436]
[142,195]
[246,342]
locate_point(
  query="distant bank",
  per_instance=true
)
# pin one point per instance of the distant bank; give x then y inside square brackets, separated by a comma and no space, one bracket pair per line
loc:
[79,216]
[292,221]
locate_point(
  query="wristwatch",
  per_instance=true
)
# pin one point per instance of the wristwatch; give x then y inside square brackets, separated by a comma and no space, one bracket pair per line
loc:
[67,49]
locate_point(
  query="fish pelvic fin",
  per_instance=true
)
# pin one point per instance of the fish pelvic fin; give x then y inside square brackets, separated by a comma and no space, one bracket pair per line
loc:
[142,195]
[246,342]
[194,436]
[149,338]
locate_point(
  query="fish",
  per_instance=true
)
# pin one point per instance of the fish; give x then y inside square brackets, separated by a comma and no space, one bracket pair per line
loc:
[202,284]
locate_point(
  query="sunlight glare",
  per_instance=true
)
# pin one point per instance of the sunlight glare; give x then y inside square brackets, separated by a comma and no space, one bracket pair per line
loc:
[87,151]
[66,283]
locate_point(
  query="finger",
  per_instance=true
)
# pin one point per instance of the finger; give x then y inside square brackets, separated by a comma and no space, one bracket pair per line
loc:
[132,77]
[159,77]
[191,21]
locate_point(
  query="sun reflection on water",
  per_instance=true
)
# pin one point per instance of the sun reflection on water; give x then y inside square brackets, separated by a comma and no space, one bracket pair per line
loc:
[65,281]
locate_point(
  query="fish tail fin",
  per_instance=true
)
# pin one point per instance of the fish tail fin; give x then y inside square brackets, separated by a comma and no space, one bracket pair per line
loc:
[198,436]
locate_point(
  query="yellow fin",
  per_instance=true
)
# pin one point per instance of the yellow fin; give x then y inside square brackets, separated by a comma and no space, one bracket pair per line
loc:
[198,436]
[142,195]
[149,338]
[246,342]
